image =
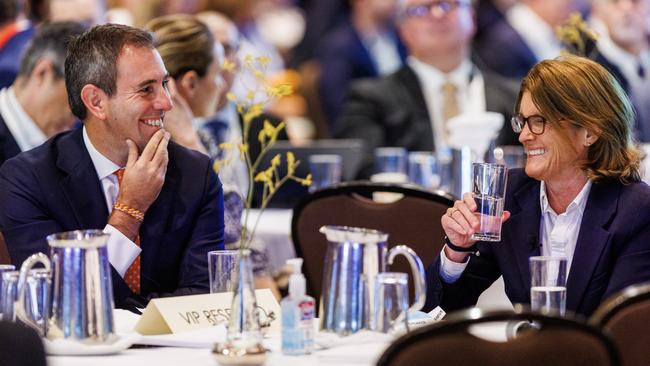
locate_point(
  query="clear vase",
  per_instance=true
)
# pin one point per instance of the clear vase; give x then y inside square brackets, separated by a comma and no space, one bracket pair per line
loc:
[244,336]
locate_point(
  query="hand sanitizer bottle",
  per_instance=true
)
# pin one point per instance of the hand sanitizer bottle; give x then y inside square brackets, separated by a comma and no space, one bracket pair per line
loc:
[297,314]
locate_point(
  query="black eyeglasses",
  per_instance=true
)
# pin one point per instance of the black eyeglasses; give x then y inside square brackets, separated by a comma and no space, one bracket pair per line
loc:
[536,123]
[444,6]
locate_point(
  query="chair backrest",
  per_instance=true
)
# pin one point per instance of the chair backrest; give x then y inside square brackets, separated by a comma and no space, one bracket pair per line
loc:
[4,253]
[553,341]
[20,345]
[413,220]
[625,317]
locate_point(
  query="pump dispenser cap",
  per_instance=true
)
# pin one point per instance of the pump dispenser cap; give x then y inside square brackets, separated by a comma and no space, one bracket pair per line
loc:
[297,280]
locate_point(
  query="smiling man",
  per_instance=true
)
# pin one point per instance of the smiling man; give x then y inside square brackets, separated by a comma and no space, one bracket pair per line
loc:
[162,203]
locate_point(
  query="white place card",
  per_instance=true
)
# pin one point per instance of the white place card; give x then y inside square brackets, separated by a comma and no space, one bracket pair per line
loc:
[182,313]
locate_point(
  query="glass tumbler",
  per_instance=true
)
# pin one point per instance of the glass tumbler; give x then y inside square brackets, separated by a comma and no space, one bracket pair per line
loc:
[489,190]
[391,303]
[222,270]
[548,284]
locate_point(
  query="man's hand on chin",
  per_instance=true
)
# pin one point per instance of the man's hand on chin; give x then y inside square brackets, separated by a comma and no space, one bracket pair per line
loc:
[144,175]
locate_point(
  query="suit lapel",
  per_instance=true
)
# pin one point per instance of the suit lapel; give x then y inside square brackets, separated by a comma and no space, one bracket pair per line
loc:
[80,183]
[413,96]
[523,229]
[8,145]
[592,239]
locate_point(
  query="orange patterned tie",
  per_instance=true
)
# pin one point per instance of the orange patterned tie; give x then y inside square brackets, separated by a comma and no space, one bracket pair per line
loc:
[132,275]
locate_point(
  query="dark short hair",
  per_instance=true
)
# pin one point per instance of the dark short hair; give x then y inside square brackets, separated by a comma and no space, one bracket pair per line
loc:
[51,41]
[92,59]
[8,11]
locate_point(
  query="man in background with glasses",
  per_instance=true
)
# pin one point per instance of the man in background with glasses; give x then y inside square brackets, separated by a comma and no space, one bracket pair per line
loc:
[410,108]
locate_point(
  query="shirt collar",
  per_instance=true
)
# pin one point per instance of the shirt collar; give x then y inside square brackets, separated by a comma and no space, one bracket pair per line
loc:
[627,62]
[460,76]
[24,130]
[536,33]
[580,202]
[103,166]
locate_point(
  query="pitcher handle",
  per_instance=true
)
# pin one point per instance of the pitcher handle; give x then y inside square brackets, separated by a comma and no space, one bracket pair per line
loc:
[21,313]
[418,273]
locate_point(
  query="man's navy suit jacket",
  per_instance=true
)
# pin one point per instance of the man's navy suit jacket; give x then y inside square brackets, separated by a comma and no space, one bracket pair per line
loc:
[8,145]
[612,251]
[502,50]
[55,188]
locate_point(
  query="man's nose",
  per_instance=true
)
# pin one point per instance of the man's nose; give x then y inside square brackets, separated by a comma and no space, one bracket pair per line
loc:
[163,100]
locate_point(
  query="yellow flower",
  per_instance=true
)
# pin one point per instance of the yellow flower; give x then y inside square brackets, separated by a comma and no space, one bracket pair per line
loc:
[280,90]
[307,181]
[228,66]
[250,108]
[291,163]
[265,175]
[264,60]
[243,150]
[253,112]
[276,161]
[217,165]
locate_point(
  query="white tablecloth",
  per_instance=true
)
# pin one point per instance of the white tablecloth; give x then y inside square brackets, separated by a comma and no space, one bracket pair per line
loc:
[363,348]
[359,349]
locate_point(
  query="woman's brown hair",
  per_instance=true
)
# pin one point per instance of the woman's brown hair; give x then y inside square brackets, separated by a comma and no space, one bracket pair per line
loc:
[583,92]
[184,43]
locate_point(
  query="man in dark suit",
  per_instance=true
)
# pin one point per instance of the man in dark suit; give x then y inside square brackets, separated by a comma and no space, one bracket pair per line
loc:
[161,203]
[35,107]
[524,36]
[364,44]
[405,109]
[624,49]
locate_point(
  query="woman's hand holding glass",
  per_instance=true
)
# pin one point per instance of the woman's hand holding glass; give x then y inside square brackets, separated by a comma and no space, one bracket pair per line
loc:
[460,223]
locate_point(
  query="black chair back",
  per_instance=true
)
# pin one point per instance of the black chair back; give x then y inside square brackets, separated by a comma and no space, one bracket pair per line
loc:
[552,341]
[413,220]
[625,317]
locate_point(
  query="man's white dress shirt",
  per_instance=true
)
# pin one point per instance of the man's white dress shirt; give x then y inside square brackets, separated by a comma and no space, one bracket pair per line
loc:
[470,93]
[121,251]
[536,33]
[24,130]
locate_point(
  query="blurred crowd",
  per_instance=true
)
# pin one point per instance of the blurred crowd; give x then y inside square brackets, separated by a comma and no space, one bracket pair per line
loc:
[406,51]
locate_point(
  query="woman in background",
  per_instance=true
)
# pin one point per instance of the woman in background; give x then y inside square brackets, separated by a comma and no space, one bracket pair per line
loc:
[193,59]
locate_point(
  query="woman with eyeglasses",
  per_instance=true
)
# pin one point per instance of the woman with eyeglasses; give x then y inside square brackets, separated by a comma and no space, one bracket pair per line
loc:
[579,196]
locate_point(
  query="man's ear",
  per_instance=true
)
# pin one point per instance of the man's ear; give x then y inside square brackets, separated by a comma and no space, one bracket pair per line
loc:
[187,84]
[95,101]
[43,69]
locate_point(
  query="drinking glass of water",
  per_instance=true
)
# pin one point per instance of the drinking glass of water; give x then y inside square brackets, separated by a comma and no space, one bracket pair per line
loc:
[391,161]
[489,189]
[325,170]
[548,284]
[222,270]
[391,303]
